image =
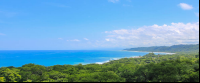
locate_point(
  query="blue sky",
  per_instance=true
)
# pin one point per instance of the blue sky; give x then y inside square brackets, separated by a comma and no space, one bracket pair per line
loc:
[97,24]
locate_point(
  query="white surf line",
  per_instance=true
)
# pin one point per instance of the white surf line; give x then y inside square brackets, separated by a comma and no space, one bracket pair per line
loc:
[130,57]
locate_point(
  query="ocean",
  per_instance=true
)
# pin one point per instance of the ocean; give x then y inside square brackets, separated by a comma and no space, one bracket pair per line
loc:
[17,58]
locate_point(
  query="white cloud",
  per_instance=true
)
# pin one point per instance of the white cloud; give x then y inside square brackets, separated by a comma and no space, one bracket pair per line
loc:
[197,14]
[176,33]
[107,39]
[85,39]
[76,40]
[185,6]
[110,40]
[60,38]
[113,1]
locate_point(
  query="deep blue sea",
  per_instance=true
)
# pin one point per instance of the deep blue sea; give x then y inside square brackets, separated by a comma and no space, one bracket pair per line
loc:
[17,58]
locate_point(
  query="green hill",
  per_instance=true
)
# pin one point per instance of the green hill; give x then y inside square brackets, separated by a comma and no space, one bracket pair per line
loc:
[175,48]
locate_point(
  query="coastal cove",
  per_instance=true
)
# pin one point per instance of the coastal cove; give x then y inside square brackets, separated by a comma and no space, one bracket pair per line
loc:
[18,58]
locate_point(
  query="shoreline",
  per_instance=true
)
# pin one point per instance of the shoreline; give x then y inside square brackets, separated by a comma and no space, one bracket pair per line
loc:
[117,59]
[150,52]
[133,56]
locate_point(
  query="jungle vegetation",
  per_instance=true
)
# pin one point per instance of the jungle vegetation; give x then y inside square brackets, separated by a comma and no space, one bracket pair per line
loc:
[182,48]
[179,67]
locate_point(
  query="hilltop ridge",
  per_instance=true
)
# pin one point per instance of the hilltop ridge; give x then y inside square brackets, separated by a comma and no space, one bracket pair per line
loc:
[186,48]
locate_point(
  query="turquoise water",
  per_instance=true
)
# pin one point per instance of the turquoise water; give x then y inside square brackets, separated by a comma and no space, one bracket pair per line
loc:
[17,58]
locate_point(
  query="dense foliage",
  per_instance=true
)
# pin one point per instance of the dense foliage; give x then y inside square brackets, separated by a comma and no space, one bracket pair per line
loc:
[175,48]
[148,68]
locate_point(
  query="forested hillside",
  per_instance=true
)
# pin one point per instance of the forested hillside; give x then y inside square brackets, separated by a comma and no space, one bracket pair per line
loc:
[175,48]
[148,68]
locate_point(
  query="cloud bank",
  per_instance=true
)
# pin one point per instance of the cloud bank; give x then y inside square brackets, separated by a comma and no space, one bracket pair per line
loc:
[155,35]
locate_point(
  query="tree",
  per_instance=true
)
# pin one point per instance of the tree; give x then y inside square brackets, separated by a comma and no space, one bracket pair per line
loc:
[2,79]
[109,76]
[58,76]
[9,75]
[32,72]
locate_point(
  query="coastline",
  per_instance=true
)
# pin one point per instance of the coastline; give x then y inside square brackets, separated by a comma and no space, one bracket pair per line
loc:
[132,56]
[150,52]
[117,59]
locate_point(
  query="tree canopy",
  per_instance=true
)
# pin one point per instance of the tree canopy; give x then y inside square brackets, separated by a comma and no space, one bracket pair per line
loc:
[148,68]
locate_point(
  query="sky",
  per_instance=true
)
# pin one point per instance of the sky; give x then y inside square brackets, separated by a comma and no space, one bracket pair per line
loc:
[97,24]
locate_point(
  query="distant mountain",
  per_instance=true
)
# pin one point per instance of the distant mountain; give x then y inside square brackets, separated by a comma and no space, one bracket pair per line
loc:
[174,48]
